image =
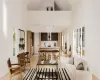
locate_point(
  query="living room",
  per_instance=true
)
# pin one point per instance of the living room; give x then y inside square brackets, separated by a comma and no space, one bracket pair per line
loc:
[77,14]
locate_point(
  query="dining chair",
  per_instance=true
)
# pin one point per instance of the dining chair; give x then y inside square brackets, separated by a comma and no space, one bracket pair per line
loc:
[21,60]
[27,59]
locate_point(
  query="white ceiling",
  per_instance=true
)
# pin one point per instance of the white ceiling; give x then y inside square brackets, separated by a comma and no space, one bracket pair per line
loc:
[39,4]
[55,21]
[38,21]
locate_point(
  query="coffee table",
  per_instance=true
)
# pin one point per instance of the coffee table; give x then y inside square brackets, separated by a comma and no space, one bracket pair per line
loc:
[47,63]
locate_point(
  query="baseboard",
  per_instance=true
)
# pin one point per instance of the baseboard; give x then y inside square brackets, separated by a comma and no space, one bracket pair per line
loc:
[94,77]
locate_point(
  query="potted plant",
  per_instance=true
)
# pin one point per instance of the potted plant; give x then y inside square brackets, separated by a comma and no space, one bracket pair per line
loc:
[70,52]
[20,46]
[20,39]
[65,48]
[23,46]
[70,48]
[14,36]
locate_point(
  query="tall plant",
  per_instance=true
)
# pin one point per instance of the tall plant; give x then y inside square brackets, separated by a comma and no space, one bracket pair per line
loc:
[70,48]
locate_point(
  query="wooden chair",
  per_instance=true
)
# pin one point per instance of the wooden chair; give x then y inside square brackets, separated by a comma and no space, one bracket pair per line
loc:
[27,57]
[13,71]
[21,60]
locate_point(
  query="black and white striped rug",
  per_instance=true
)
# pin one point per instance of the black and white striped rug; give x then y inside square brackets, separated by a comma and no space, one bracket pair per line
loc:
[47,74]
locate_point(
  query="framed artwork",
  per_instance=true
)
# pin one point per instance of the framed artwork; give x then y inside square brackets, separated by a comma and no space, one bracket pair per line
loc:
[83,36]
[83,41]
[79,41]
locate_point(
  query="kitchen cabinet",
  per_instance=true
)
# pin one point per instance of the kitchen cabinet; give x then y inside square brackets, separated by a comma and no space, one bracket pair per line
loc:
[54,36]
[44,37]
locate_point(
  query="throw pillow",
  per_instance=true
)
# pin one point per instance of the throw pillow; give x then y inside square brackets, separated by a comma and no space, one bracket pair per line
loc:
[71,60]
[80,66]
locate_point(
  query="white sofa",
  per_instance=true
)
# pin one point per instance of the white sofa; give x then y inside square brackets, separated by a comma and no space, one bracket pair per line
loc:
[73,73]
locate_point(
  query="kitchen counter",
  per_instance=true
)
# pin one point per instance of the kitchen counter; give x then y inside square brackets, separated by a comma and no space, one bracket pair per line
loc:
[49,48]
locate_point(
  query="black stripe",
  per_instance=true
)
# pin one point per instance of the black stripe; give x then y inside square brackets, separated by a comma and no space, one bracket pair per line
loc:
[39,73]
[34,70]
[67,74]
[52,73]
[49,73]
[36,74]
[56,74]
[64,74]
[43,73]
[60,74]
[28,75]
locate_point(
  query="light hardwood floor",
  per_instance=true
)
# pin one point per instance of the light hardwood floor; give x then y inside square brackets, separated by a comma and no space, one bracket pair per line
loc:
[94,77]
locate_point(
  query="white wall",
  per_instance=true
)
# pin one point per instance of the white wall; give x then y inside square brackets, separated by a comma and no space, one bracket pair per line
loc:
[39,20]
[15,14]
[36,43]
[87,13]
[6,47]
[0,16]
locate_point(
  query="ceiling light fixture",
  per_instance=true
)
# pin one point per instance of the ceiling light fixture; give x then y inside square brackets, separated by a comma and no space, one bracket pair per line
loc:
[49,8]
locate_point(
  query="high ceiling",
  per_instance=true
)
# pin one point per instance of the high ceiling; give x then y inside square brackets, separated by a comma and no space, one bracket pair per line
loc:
[40,20]
[42,5]
[58,5]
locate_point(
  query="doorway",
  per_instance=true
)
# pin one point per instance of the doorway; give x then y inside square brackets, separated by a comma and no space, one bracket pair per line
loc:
[36,43]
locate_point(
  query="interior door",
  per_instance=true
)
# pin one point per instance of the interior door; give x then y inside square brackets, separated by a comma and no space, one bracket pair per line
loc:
[36,43]
[29,42]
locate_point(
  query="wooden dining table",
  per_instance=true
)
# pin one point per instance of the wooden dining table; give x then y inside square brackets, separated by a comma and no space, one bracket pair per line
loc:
[49,50]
